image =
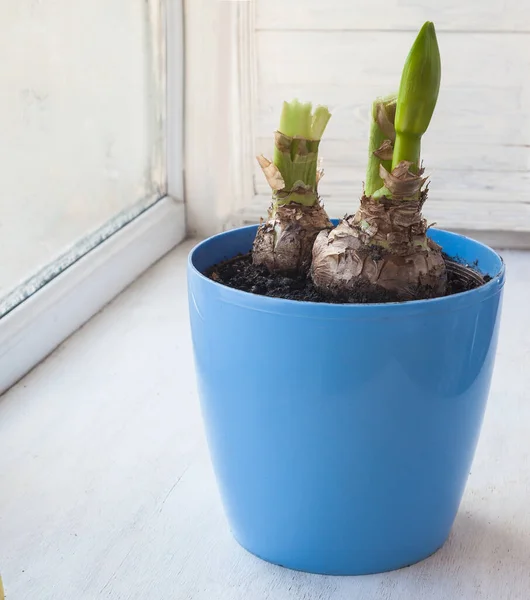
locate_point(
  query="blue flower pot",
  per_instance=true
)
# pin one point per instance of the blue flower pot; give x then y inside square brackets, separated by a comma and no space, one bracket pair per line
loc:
[342,435]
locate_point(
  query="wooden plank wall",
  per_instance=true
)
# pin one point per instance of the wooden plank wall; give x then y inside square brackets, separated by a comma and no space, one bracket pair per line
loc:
[344,53]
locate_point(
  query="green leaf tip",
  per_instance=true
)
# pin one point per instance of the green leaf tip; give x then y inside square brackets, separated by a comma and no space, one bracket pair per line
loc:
[420,83]
[299,120]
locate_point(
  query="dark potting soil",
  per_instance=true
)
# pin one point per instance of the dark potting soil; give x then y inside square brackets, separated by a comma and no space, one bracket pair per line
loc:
[241,274]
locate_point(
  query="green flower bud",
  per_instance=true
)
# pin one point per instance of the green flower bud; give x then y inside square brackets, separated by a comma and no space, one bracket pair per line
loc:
[420,83]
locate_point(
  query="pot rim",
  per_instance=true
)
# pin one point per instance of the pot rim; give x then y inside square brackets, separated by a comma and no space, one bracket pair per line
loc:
[272,304]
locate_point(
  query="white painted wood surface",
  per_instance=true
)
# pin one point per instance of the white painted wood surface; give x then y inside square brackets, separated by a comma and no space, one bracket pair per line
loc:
[452,15]
[219,112]
[82,116]
[344,53]
[174,48]
[107,491]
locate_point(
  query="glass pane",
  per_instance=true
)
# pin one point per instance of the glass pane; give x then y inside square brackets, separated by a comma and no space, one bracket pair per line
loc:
[82,122]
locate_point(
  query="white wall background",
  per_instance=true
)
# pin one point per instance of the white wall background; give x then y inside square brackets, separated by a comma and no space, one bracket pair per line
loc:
[344,53]
[81,121]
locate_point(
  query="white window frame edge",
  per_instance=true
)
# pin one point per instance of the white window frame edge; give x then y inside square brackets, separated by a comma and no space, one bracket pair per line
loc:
[58,301]
[220,105]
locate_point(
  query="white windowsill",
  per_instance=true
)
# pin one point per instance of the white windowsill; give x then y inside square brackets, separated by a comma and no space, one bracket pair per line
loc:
[72,295]
[106,490]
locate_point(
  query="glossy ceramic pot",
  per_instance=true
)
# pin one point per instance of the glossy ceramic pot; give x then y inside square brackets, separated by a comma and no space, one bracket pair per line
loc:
[342,435]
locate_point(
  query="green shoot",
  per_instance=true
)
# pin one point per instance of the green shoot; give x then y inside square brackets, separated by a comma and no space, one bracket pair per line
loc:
[382,108]
[320,119]
[296,151]
[417,96]
[296,119]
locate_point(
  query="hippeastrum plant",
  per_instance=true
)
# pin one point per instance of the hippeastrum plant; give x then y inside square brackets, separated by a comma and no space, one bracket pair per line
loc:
[284,242]
[385,242]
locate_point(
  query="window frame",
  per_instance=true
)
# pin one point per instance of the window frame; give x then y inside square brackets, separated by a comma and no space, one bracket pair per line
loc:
[68,292]
[220,109]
